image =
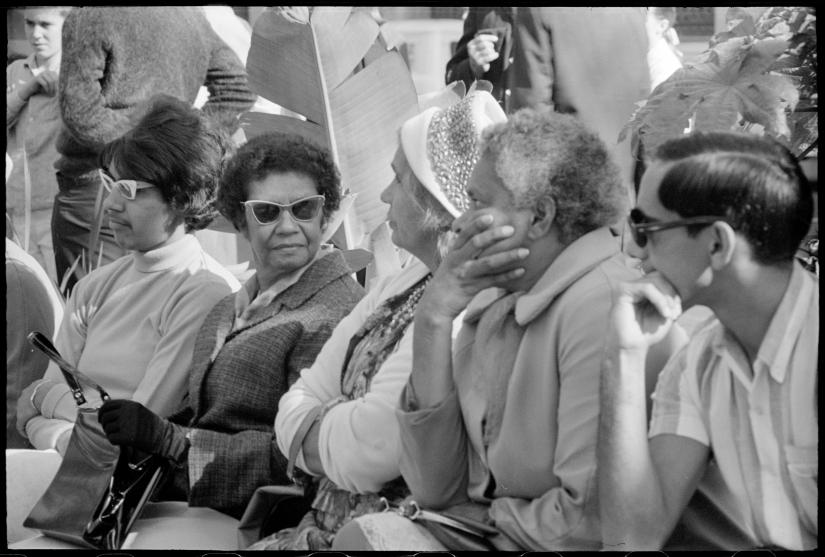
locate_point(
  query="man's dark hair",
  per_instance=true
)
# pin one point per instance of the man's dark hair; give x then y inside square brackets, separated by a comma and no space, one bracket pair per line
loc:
[754,182]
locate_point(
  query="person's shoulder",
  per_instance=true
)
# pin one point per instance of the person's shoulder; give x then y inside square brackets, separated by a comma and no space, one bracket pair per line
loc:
[16,66]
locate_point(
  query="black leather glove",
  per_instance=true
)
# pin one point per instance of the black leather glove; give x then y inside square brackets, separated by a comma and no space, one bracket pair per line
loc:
[129,423]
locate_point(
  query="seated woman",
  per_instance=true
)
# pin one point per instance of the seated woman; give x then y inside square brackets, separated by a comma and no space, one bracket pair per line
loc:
[340,413]
[130,325]
[279,191]
[500,425]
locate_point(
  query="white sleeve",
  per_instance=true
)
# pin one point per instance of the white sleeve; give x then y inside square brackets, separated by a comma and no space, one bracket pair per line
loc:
[321,382]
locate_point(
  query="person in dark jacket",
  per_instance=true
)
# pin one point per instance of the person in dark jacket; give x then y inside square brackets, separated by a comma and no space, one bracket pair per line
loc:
[590,62]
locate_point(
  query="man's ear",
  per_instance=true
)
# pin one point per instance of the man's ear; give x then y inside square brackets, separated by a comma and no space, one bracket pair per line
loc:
[722,244]
[544,214]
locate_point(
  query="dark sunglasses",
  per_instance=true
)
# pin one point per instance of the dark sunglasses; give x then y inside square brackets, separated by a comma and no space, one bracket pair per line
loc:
[269,212]
[641,226]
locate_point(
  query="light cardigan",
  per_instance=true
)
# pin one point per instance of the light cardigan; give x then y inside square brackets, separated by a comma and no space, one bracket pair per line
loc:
[130,326]
[358,440]
[544,459]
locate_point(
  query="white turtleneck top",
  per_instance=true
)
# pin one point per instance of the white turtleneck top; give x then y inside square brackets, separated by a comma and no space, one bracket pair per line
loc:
[131,326]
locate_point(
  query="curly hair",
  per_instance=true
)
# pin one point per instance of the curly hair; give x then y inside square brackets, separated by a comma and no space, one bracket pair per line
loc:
[544,156]
[754,182]
[273,153]
[176,148]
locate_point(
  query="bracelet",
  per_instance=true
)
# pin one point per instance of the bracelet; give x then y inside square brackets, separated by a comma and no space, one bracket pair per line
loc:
[34,394]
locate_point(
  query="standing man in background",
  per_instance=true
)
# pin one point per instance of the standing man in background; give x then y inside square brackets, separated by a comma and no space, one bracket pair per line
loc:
[114,58]
[591,62]
[32,124]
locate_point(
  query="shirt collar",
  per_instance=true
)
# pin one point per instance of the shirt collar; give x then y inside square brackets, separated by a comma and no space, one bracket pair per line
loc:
[576,260]
[570,265]
[168,256]
[786,324]
[775,351]
[52,64]
[250,297]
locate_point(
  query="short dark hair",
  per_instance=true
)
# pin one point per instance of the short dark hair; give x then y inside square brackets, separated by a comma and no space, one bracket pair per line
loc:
[543,155]
[176,148]
[272,153]
[753,181]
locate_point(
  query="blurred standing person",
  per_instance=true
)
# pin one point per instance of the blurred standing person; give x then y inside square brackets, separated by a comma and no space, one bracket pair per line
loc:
[483,51]
[663,58]
[115,58]
[590,62]
[32,124]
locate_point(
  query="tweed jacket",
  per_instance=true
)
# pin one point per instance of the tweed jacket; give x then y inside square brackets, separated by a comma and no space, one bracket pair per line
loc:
[237,378]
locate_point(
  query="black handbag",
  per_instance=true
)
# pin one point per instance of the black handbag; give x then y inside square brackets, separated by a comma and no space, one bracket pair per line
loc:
[99,490]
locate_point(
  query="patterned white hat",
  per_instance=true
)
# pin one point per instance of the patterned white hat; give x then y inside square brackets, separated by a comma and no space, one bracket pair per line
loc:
[441,145]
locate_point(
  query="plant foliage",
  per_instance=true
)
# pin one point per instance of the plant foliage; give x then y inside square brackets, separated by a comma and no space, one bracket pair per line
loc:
[758,76]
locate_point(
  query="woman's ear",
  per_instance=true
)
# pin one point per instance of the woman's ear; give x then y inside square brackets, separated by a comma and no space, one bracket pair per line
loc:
[243,229]
[544,214]
[722,244]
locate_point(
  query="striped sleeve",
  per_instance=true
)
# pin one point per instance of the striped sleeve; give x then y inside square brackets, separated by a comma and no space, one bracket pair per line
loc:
[677,406]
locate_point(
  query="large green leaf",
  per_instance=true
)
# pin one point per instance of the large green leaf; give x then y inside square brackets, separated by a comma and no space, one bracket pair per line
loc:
[758,75]
[332,65]
[732,85]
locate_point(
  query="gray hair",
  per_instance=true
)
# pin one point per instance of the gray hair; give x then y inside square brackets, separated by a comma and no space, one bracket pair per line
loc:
[544,156]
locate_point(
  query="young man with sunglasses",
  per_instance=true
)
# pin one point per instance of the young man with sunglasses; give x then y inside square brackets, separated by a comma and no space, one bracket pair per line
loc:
[730,460]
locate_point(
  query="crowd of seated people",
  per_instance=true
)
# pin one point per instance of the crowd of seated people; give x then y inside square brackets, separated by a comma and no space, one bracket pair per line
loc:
[525,374]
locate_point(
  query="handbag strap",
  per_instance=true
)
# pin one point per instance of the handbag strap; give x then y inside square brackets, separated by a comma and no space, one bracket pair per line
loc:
[411,510]
[298,440]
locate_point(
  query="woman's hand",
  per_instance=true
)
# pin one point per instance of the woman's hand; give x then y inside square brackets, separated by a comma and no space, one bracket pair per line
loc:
[644,312]
[126,422]
[129,423]
[475,261]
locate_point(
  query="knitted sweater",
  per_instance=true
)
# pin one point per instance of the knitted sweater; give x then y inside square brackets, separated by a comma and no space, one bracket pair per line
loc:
[114,58]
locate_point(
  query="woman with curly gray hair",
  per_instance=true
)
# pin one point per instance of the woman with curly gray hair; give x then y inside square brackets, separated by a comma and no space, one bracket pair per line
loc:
[498,427]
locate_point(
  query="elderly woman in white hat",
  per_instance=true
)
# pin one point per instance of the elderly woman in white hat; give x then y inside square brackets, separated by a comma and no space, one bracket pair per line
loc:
[337,422]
